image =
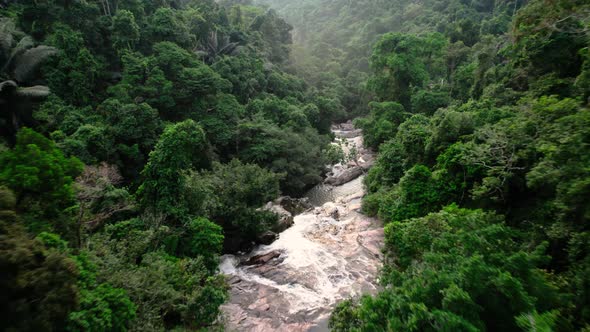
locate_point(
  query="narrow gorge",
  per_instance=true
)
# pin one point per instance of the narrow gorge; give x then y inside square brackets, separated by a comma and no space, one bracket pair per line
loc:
[332,252]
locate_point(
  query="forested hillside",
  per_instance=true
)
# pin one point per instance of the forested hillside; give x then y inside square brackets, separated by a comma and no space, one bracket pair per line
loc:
[138,141]
[479,111]
[334,39]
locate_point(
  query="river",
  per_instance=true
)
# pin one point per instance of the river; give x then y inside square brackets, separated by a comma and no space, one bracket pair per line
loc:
[332,252]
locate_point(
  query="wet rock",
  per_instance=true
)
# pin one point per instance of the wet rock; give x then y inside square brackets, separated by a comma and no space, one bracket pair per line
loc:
[267,237]
[345,126]
[331,210]
[263,259]
[348,133]
[295,206]
[372,240]
[345,176]
[233,242]
[354,207]
[366,161]
[285,219]
[234,280]
[286,207]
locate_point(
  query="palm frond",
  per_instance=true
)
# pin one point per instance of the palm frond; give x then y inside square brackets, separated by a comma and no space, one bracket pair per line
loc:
[6,35]
[27,63]
[7,86]
[228,49]
[33,92]
[24,44]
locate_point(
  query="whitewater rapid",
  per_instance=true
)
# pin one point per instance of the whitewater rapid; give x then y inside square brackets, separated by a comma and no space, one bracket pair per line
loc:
[331,253]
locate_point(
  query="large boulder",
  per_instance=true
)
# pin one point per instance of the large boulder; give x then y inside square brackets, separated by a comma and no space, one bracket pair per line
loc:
[263,258]
[295,206]
[345,176]
[286,207]
[285,218]
[330,209]
[267,237]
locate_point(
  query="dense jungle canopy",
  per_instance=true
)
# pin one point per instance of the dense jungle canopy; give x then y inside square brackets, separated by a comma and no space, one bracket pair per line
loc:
[139,140]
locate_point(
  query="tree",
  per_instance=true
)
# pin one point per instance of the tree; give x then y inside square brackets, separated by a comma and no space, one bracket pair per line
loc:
[232,195]
[283,151]
[166,25]
[98,198]
[125,31]
[382,123]
[388,169]
[41,178]
[413,135]
[38,284]
[398,66]
[181,147]
[455,270]
[427,102]
[205,239]
[19,61]
[102,307]
[417,194]
[134,129]
[215,46]
[74,73]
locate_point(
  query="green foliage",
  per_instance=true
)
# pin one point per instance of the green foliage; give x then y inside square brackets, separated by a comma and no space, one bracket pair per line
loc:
[231,195]
[120,72]
[204,238]
[41,178]
[481,103]
[20,60]
[73,74]
[39,283]
[537,322]
[413,137]
[417,194]
[388,169]
[427,102]
[165,24]
[125,30]
[102,308]
[400,64]
[51,240]
[456,270]
[181,147]
[170,292]
[246,74]
[501,127]
[382,123]
[296,155]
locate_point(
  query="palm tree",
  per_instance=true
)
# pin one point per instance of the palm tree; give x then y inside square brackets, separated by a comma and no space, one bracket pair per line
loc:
[19,61]
[214,46]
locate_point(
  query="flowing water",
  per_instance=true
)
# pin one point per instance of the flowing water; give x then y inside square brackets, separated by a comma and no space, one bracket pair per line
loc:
[332,252]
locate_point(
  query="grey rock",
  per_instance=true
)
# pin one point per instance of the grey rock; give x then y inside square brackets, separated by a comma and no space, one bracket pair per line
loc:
[295,206]
[345,176]
[267,237]
[263,258]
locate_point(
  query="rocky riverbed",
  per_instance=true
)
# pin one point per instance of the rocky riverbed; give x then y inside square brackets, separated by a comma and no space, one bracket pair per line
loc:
[330,253]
